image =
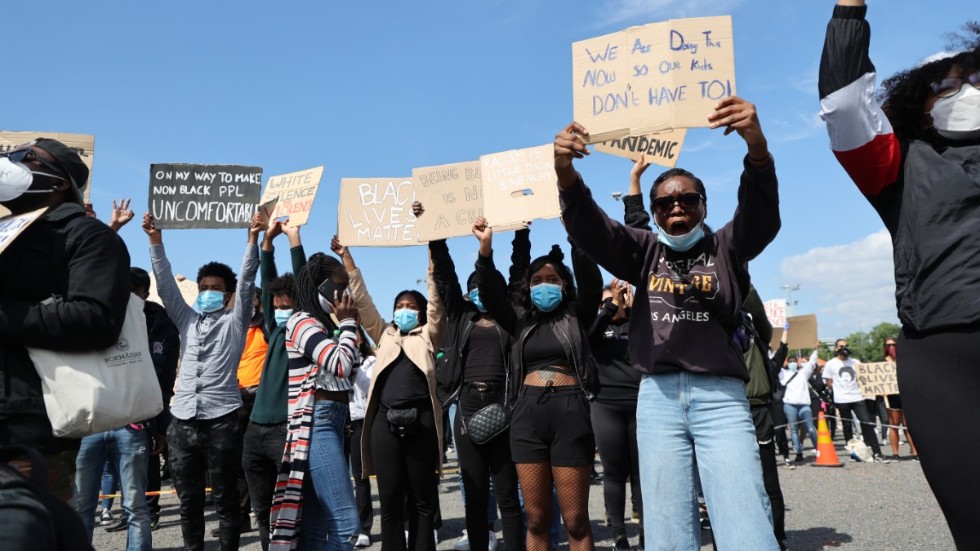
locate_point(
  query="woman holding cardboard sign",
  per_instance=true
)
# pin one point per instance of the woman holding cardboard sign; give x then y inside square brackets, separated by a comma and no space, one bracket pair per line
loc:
[915,157]
[691,412]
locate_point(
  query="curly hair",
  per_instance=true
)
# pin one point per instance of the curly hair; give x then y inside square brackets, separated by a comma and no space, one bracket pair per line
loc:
[903,95]
[223,271]
[667,174]
[284,285]
[555,258]
[419,299]
[319,268]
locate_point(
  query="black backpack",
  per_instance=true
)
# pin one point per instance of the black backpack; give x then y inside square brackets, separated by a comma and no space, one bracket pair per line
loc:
[31,518]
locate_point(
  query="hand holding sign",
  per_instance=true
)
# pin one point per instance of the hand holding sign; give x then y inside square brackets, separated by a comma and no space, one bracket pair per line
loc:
[738,115]
[149,226]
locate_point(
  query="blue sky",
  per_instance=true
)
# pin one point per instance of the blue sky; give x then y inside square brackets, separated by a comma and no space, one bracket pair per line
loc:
[377,88]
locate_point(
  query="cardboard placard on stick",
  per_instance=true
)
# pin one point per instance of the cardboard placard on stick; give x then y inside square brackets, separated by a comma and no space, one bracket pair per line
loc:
[652,78]
[295,192]
[519,186]
[377,212]
[453,199]
[662,148]
[204,196]
[12,225]
[83,144]
[877,379]
[802,333]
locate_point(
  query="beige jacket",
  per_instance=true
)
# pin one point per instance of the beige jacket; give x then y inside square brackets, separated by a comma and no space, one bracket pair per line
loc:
[420,345]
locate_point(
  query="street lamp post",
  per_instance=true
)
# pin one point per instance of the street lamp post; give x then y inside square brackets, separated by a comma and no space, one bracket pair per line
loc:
[790,303]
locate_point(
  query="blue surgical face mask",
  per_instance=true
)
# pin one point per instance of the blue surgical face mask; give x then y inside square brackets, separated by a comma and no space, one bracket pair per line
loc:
[475,299]
[681,243]
[282,315]
[210,301]
[546,296]
[406,319]
[793,366]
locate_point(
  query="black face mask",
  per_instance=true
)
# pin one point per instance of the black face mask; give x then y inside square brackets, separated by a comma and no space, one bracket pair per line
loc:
[844,351]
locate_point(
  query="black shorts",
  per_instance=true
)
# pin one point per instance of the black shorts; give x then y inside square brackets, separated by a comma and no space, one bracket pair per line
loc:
[552,424]
[894,401]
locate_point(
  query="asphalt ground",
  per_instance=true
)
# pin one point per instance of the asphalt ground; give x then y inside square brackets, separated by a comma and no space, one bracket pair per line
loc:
[861,507]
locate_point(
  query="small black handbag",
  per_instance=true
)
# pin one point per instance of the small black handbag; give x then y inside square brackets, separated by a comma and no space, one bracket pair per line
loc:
[402,422]
[487,423]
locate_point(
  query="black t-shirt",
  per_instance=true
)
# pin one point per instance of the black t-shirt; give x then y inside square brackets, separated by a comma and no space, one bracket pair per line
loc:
[403,384]
[483,360]
[542,349]
[619,381]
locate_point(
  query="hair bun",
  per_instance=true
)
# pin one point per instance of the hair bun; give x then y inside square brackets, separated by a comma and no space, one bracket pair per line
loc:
[556,253]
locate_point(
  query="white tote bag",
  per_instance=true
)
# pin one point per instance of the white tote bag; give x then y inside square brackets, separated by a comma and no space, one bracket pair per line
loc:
[90,392]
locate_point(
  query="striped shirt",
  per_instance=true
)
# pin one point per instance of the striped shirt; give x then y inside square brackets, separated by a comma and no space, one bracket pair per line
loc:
[316,361]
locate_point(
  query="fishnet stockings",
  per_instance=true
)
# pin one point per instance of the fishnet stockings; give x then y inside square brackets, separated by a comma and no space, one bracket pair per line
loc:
[572,484]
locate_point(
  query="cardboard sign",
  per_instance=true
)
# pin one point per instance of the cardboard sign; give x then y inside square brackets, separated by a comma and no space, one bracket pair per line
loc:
[204,196]
[188,290]
[295,192]
[11,226]
[776,312]
[453,199]
[652,78]
[877,379]
[83,144]
[662,148]
[520,186]
[802,333]
[377,212]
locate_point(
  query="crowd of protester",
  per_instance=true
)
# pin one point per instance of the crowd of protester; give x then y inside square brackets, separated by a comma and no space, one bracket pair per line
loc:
[282,401]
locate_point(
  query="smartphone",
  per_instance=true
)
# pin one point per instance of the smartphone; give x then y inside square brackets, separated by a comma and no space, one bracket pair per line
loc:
[327,289]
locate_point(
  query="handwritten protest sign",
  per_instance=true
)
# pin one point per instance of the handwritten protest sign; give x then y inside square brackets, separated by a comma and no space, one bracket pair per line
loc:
[652,78]
[519,186]
[877,379]
[295,192]
[776,311]
[83,144]
[204,196]
[453,199]
[377,212]
[662,148]
[802,332]
[11,226]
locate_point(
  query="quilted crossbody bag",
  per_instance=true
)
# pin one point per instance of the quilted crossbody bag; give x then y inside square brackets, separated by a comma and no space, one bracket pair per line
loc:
[487,423]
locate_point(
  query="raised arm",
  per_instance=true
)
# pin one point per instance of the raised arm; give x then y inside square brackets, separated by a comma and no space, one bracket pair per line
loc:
[336,358]
[435,312]
[244,293]
[494,299]
[520,260]
[268,272]
[446,281]
[371,320]
[588,279]
[178,310]
[636,216]
[618,249]
[861,136]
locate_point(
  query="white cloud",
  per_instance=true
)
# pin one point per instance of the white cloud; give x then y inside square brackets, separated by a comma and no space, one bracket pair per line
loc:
[854,283]
[803,127]
[942,54]
[645,11]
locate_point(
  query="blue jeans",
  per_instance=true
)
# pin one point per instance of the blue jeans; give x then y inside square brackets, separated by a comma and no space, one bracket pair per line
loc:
[110,484]
[794,414]
[129,450]
[683,418]
[330,520]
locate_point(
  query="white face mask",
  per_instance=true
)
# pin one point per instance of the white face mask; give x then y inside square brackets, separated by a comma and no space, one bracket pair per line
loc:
[16,179]
[958,117]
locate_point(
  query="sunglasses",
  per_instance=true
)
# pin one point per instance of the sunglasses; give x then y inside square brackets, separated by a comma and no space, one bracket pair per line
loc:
[27,154]
[687,201]
[950,86]
[890,345]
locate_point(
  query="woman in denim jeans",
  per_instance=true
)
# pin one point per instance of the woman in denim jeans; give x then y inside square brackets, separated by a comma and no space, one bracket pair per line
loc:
[314,485]
[692,415]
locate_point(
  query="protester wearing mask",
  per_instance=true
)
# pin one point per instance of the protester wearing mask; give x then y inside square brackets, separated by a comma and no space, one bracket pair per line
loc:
[265,435]
[204,436]
[893,405]
[552,383]
[402,441]
[796,399]
[64,283]
[912,149]
[314,496]
[841,377]
[692,412]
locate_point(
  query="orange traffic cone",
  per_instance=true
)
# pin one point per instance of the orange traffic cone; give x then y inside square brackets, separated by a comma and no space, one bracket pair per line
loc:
[826,454]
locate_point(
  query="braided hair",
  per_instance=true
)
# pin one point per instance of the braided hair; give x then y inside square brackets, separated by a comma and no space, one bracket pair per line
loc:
[319,268]
[555,258]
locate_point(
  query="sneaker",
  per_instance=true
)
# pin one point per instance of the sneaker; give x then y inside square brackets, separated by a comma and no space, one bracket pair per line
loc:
[117,527]
[492,541]
[622,544]
[878,458]
[154,522]
[106,518]
[915,458]
[463,543]
[363,540]
[788,464]
[799,458]
[896,458]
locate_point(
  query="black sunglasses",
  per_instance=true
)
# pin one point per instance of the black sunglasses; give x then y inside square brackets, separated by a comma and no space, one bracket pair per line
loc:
[27,154]
[687,201]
